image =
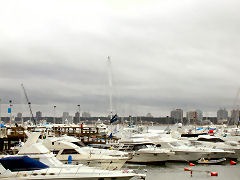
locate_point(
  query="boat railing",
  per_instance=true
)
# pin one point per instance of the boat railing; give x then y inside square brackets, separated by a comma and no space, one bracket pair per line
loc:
[53,171]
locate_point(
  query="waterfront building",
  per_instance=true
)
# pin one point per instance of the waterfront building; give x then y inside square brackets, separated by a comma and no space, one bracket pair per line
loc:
[195,116]
[149,115]
[38,114]
[77,115]
[222,114]
[19,115]
[234,117]
[177,115]
[65,115]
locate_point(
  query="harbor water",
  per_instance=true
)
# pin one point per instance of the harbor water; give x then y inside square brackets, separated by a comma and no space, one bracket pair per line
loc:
[175,171]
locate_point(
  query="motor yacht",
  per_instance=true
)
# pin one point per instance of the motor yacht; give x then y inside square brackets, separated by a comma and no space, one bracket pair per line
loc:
[214,142]
[52,168]
[105,159]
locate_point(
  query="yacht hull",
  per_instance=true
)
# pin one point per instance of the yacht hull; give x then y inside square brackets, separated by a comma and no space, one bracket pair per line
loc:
[140,157]
[185,156]
[108,164]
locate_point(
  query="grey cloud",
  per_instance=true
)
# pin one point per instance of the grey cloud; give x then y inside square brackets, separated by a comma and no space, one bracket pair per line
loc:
[163,56]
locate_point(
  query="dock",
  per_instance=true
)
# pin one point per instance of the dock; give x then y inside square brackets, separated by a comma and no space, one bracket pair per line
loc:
[11,136]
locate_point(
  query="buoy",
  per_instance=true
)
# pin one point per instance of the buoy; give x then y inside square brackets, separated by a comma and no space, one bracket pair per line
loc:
[187,169]
[191,164]
[214,174]
[233,162]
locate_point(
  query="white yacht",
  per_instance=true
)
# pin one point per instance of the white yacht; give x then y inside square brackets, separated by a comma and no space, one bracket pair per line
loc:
[185,151]
[102,128]
[23,167]
[143,150]
[148,153]
[51,167]
[106,159]
[214,142]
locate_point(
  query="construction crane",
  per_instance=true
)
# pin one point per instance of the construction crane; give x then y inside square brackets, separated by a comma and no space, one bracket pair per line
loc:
[29,104]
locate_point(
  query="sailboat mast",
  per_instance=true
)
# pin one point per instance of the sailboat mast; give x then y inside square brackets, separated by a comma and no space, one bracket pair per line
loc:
[110,85]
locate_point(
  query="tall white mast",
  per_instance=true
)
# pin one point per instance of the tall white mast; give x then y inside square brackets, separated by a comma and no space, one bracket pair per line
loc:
[0,110]
[110,85]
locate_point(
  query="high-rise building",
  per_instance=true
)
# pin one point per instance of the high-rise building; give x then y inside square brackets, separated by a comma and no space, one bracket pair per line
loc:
[65,117]
[234,116]
[177,115]
[38,114]
[19,115]
[195,116]
[149,115]
[222,114]
[77,115]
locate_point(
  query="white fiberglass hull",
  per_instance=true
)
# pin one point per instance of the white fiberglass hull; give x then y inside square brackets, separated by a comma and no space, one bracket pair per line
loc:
[69,173]
[218,155]
[144,157]
[185,156]
[107,164]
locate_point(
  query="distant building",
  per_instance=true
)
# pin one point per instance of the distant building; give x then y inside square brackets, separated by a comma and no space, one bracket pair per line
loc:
[199,115]
[177,115]
[66,118]
[65,115]
[86,114]
[149,115]
[194,117]
[77,115]
[234,116]
[222,114]
[19,115]
[38,115]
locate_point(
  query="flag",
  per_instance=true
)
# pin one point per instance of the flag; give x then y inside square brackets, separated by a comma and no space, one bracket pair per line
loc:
[110,136]
[114,118]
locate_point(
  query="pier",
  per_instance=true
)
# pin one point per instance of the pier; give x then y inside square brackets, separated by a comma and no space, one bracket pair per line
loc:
[11,136]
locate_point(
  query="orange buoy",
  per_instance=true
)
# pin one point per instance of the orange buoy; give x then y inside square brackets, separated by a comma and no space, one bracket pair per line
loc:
[187,169]
[233,162]
[191,164]
[214,174]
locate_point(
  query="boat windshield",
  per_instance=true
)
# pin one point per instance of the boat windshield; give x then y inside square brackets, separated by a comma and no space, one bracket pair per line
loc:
[142,146]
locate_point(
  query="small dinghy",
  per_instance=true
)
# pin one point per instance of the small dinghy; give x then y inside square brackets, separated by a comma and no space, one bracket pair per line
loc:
[214,161]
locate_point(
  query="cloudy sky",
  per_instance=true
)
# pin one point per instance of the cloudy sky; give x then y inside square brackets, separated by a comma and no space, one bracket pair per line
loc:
[165,54]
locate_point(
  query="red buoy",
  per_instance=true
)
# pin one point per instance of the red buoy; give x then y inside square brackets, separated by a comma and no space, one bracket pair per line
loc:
[214,174]
[191,164]
[187,169]
[233,162]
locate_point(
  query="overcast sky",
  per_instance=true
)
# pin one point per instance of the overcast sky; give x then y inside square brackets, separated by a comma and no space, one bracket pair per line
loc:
[165,54]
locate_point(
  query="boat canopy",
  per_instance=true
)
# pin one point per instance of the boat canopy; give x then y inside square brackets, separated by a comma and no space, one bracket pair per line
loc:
[21,163]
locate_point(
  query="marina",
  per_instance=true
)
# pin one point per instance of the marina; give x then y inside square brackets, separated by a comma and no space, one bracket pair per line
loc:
[139,151]
[119,90]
